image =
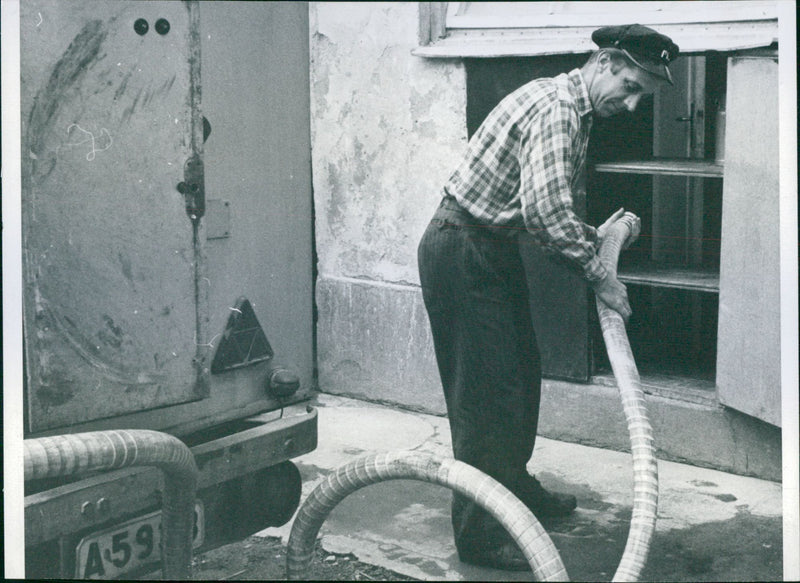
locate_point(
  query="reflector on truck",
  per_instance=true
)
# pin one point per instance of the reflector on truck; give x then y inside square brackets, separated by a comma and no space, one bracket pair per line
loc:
[243,342]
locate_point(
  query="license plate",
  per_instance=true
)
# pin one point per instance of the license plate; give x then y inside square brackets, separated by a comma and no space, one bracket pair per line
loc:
[125,547]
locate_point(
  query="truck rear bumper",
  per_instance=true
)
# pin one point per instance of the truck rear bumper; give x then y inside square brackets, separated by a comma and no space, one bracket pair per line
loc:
[98,501]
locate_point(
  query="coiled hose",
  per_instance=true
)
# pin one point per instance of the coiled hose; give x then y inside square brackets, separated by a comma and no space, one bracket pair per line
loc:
[458,476]
[65,455]
[521,524]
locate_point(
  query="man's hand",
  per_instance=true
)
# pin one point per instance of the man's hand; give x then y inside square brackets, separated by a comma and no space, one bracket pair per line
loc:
[634,222]
[613,294]
[603,229]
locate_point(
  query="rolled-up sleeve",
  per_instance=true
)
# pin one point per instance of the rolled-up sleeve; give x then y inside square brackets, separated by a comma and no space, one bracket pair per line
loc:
[546,170]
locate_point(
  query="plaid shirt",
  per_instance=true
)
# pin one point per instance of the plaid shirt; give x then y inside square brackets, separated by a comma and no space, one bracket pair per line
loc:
[525,162]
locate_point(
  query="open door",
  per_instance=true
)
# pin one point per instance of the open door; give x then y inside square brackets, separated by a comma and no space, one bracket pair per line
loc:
[748,358]
[679,132]
[112,199]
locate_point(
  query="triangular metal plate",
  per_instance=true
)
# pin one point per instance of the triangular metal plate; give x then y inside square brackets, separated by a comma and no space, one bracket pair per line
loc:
[243,342]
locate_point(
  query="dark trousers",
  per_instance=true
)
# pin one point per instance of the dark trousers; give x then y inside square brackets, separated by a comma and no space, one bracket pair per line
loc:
[476,295]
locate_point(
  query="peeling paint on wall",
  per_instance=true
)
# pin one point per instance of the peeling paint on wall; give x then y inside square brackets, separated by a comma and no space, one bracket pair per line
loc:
[387,130]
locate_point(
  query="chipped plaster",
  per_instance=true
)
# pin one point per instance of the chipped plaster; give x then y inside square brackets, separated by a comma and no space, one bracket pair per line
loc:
[387,128]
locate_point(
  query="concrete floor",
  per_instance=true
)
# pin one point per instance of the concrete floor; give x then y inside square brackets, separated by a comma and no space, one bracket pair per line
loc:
[712,526]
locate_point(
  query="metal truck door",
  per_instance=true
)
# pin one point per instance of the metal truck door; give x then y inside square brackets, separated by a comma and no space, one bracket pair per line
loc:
[112,199]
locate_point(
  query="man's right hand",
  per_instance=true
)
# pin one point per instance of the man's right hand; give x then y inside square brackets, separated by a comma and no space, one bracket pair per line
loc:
[613,294]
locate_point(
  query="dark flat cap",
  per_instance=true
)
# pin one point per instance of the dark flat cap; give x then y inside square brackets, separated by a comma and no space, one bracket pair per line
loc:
[647,48]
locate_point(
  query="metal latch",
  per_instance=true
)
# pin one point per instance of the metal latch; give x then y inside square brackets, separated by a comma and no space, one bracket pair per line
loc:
[193,187]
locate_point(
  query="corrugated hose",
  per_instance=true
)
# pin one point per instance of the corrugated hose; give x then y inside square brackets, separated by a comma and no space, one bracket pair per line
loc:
[645,467]
[401,465]
[518,520]
[66,455]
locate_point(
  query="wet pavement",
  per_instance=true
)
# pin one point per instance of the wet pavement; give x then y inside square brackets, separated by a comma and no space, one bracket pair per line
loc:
[712,526]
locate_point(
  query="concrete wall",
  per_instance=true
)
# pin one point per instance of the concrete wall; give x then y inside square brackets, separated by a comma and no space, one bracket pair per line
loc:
[387,129]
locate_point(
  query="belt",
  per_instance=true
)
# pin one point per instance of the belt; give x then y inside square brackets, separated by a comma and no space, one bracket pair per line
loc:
[451,214]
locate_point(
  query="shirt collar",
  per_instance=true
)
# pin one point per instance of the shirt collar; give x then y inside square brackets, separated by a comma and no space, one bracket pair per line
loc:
[581,92]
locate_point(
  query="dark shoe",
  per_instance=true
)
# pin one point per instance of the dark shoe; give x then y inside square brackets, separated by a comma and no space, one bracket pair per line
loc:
[545,504]
[506,557]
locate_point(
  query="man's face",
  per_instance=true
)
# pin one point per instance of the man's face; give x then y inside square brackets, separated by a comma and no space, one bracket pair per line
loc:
[619,88]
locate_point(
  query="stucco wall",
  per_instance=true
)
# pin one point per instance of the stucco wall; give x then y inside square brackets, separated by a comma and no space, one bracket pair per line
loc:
[387,128]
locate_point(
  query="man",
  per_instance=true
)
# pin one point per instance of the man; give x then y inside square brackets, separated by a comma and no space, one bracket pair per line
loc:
[520,172]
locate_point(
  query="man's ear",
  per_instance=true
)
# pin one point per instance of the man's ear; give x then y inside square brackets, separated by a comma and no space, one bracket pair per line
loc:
[603,61]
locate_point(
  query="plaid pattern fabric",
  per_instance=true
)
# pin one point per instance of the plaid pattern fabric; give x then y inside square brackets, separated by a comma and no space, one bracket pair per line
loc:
[525,162]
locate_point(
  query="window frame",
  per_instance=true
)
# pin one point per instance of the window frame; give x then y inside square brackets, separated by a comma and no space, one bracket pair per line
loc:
[465,30]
